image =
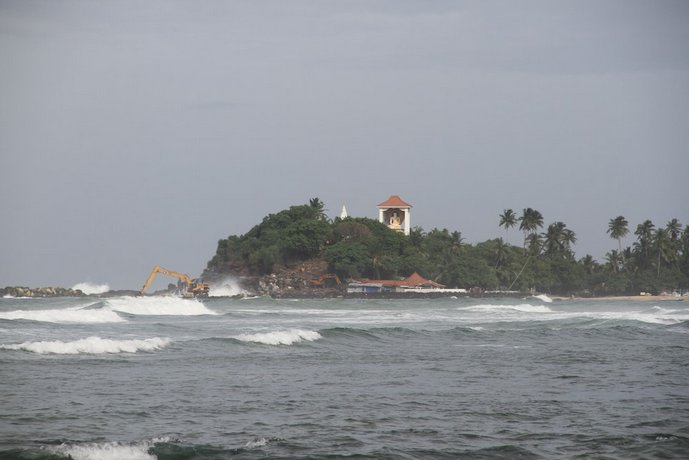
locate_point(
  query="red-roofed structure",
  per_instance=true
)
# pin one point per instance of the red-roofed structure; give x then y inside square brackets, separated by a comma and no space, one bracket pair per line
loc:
[413,281]
[394,202]
[396,214]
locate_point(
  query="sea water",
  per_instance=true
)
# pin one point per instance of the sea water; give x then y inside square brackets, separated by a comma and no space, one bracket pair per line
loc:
[169,378]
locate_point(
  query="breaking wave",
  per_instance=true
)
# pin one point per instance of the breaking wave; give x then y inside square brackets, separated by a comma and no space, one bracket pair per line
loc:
[159,305]
[524,308]
[65,316]
[107,450]
[90,345]
[229,287]
[543,298]
[287,337]
[90,288]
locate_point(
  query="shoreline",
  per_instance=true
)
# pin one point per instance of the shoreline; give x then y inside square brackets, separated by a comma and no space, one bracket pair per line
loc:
[631,298]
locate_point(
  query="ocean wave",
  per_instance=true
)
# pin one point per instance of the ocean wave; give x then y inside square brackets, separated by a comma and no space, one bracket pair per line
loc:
[543,298]
[286,337]
[349,333]
[80,315]
[642,317]
[107,450]
[229,287]
[90,288]
[159,306]
[523,308]
[90,345]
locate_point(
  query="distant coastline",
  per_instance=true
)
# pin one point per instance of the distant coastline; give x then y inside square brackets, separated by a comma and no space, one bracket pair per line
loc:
[315,293]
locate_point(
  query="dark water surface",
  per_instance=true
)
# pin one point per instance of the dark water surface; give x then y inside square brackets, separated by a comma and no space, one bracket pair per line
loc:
[166,378]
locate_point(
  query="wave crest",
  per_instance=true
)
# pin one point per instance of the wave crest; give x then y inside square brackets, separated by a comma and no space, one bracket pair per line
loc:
[159,306]
[90,345]
[107,450]
[287,337]
[90,288]
[524,308]
[229,287]
[77,316]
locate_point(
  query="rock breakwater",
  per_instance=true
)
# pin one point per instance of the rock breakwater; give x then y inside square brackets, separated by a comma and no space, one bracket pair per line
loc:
[22,291]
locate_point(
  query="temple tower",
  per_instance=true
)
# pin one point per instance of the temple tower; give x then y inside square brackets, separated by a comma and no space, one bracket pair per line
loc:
[396,214]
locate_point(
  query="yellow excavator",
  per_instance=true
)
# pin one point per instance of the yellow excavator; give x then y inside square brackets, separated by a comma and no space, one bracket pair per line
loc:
[328,279]
[187,287]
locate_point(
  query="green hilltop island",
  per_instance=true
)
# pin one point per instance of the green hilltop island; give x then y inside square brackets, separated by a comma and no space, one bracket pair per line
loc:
[300,252]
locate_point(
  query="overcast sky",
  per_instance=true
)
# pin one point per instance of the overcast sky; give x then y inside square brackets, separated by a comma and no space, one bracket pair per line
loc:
[139,133]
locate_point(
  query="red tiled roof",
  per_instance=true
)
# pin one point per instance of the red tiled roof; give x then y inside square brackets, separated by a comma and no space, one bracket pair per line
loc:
[413,280]
[394,202]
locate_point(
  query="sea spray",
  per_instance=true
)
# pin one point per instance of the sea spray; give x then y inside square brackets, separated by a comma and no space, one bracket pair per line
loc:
[159,306]
[90,288]
[228,287]
[90,345]
[107,450]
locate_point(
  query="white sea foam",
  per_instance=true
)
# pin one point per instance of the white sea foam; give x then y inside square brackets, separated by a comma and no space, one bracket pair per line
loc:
[229,287]
[90,345]
[107,451]
[544,298]
[159,305]
[523,308]
[287,337]
[90,288]
[257,443]
[69,315]
[644,317]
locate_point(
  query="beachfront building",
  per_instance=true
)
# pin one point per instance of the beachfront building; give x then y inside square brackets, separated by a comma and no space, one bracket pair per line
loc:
[396,214]
[412,283]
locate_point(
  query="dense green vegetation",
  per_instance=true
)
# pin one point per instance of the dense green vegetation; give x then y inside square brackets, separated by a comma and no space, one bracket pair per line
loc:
[364,248]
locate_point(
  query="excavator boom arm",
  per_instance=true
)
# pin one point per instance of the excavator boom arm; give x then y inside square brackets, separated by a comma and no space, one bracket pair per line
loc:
[158,269]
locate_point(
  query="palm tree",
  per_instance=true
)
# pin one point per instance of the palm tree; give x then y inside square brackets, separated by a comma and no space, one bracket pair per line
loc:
[318,207]
[534,244]
[644,233]
[456,241]
[569,238]
[674,229]
[663,245]
[617,229]
[500,252]
[530,221]
[553,238]
[507,219]
[588,263]
[614,260]
[559,239]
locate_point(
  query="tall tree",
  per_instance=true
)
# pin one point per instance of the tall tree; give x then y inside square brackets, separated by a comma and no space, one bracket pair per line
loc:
[589,263]
[508,219]
[530,221]
[319,208]
[534,244]
[559,240]
[618,229]
[674,229]
[614,261]
[664,247]
[644,233]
